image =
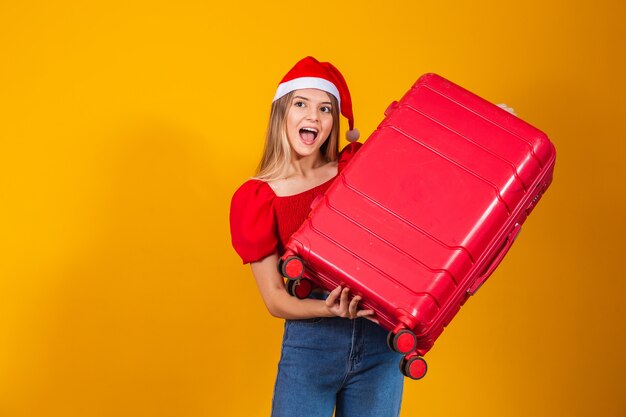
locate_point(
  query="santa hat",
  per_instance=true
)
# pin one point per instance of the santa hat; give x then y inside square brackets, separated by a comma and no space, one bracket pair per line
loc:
[310,73]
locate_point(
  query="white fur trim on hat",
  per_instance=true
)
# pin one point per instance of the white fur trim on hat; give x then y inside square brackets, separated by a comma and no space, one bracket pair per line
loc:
[307,82]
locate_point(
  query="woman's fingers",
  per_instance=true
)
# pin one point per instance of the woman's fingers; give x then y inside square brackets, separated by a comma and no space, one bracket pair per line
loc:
[352,308]
[365,313]
[340,304]
[331,300]
[343,303]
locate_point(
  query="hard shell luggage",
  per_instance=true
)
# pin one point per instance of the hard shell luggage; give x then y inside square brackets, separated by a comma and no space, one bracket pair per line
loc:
[424,212]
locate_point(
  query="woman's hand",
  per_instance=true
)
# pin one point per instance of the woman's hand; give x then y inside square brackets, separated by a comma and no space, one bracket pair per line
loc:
[507,108]
[280,304]
[339,304]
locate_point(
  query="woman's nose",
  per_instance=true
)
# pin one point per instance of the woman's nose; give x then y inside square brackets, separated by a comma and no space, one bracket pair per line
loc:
[313,114]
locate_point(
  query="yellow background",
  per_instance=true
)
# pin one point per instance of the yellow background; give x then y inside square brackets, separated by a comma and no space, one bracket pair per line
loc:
[126,127]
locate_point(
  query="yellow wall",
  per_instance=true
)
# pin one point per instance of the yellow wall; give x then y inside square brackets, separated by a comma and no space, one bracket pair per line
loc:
[125,128]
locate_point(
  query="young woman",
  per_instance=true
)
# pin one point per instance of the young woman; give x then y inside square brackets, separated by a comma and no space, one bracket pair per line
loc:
[334,356]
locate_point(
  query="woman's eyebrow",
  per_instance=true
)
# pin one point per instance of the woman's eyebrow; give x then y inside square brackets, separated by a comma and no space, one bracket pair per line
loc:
[306,99]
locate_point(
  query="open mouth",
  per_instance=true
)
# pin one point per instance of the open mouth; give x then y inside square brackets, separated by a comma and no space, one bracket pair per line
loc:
[308,134]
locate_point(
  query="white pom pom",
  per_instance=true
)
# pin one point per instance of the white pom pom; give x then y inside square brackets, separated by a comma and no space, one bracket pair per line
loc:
[353,135]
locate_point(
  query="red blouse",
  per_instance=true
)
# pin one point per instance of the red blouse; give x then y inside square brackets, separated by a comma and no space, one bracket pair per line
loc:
[262,222]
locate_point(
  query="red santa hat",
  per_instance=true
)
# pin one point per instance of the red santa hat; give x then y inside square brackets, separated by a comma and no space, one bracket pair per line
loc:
[310,73]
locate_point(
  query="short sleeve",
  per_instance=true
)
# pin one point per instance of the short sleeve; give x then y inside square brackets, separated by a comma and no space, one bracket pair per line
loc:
[252,221]
[347,153]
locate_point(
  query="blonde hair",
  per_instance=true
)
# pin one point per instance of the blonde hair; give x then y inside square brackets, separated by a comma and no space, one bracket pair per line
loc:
[277,152]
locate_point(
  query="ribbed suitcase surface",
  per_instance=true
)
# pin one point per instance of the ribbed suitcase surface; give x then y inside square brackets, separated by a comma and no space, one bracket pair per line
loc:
[426,210]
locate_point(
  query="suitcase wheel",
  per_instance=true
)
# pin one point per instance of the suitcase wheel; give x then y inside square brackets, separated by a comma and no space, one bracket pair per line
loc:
[403,341]
[414,367]
[299,288]
[292,267]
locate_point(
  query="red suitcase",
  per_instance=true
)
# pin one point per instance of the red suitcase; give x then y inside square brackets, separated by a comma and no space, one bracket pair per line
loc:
[424,212]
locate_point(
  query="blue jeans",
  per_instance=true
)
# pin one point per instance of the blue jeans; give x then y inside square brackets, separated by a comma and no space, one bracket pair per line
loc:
[334,362]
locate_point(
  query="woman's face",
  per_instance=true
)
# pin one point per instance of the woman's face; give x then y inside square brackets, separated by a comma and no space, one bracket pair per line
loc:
[309,121]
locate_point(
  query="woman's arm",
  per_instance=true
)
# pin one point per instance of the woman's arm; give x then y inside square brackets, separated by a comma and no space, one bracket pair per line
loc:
[282,305]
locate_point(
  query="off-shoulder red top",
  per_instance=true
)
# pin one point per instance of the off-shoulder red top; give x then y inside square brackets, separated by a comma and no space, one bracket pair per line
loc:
[262,222]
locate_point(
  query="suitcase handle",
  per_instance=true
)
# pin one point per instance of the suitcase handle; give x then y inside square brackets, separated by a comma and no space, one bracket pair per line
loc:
[391,108]
[316,201]
[473,289]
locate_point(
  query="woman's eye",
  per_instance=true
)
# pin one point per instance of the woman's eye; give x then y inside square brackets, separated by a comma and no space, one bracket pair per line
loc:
[325,109]
[299,104]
